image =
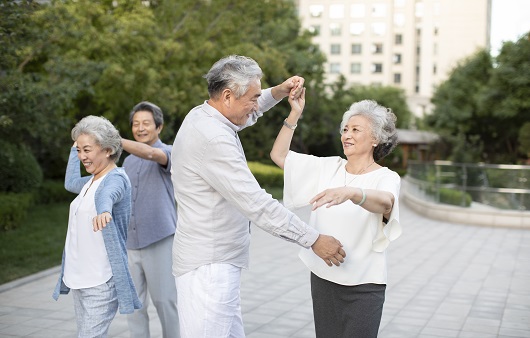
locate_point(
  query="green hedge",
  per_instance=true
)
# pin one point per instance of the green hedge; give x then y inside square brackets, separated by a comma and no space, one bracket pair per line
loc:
[13,209]
[267,175]
[19,171]
[454,197]
[53,191]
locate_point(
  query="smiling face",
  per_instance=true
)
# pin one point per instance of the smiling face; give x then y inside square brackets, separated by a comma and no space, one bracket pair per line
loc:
[94,158]
[144,128]
[357,138]
[240,109]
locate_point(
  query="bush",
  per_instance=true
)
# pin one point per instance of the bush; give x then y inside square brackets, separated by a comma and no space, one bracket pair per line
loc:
[19,171]
[454,197]
[267,175]
[13,209]
[53,191]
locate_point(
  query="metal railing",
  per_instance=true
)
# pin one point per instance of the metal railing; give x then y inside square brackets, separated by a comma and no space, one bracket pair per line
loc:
[489,185]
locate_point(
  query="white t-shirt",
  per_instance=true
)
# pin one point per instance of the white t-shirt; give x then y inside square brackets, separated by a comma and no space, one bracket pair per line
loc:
[363,234]
[86,261]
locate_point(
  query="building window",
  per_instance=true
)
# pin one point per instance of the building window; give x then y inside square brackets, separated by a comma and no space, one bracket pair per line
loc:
[399,3]
[377,48]
[434,69]
[377,68]
[314,29]
[316,11]
[356,48]
[335,29]
[398,39]
[419,9]
[335,49]
[399,19]
[334,68]
[355,68]
[357,11]
[336,11]
[397,78]
[356,28]
[436,8]
[379,28]
[397,58]
[379,10]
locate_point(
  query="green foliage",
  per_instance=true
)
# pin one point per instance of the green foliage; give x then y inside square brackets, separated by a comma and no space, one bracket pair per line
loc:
[524,139]
[454,197]
[36,245]
[53,191]
[13,209]
[481,108]
[20,172]
[267,175]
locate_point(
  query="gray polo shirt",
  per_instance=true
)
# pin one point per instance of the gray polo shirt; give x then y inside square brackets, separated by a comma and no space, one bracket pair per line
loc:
[217,194]
[153,212]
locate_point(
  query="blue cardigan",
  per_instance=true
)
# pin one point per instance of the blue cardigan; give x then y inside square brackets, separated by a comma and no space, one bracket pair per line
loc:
[113,195]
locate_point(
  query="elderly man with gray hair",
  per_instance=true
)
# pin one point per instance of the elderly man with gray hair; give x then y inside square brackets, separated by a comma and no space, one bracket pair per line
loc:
[218,197]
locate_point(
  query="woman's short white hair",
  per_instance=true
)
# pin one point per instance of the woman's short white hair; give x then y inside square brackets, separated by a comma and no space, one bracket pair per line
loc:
[103,132]
[382,121]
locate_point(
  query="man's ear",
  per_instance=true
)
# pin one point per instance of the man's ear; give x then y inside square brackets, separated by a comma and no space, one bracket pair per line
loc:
[226,97]
[160,127]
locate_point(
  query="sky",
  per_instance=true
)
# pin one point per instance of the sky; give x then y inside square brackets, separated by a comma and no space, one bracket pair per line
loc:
[509,20]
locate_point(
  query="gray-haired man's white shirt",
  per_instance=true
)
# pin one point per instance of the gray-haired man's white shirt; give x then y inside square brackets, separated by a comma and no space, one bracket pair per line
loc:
[217,195]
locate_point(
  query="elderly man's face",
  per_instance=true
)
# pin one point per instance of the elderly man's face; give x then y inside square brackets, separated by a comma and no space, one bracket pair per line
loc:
[242,108]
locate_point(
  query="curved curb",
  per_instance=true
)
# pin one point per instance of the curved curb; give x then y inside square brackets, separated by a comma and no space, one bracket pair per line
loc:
[29,279]
[473,216]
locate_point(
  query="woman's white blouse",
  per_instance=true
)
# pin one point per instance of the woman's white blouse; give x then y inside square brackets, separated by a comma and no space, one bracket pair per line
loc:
[86,261]
[363,234]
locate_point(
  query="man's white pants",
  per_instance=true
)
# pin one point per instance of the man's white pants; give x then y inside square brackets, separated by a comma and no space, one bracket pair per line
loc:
[209,303]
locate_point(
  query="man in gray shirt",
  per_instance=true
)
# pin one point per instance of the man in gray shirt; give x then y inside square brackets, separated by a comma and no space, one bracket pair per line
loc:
[217,196]
[153,221]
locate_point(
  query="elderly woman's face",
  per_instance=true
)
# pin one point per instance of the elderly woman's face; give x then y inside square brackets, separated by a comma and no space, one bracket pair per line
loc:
[357,136]
[93,157]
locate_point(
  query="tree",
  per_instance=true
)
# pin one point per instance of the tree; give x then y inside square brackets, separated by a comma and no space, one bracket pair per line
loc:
[101,57]
[483,105]
[506,99]
[456,108]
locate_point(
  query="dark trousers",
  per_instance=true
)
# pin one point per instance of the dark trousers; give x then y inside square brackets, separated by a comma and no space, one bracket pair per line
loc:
[346,311]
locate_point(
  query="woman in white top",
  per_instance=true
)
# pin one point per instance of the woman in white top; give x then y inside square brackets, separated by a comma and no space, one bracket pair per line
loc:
[356,201]
[94,263]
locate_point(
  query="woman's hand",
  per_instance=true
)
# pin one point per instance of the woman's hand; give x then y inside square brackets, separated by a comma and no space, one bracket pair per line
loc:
[297,103]
[333,196]
[101,221]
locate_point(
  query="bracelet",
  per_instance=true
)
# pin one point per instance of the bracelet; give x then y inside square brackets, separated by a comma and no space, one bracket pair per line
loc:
[363,199]
[289,125]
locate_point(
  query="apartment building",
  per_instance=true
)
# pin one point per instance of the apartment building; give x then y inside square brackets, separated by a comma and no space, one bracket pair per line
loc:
[411,44]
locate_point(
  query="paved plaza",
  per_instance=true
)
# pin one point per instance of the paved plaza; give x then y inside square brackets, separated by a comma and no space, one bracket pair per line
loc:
[445,280]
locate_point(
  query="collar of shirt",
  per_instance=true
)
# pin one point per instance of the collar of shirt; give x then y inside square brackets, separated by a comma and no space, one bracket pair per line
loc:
[220,117]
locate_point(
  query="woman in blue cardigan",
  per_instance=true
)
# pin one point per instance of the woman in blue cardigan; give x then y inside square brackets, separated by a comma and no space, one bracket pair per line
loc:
[94,264]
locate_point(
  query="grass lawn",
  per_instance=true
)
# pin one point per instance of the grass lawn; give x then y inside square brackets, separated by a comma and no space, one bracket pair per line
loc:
[36,245]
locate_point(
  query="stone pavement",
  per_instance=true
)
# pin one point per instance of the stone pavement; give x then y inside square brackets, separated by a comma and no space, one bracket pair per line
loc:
[445,280]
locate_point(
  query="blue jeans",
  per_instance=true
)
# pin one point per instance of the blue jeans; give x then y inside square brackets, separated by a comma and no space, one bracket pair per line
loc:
[95,308]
